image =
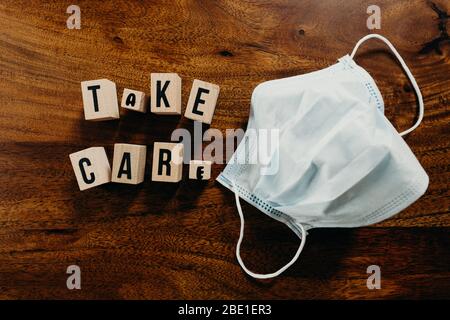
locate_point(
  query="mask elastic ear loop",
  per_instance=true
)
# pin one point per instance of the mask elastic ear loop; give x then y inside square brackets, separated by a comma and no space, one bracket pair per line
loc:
[407,71]
[241,236]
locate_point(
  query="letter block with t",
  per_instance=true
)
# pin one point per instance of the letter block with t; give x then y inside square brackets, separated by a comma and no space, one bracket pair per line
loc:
[129,163]
[134,100]
[100,100]
[91,167]
[202,101]
[165,96]
[167,162]
[199,170]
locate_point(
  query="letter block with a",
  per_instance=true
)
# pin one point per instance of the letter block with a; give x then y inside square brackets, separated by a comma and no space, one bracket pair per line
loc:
[165,96]
[167,162]
[100,100]
[134,100]
[129,163]
[202,101]
[91,167]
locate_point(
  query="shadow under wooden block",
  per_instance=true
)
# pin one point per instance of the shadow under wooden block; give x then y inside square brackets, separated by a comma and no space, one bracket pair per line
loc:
[167,162]
[165,93]
[202,101]
[200,169]
[129,163]
[100,100]
[134,100]
[91,167]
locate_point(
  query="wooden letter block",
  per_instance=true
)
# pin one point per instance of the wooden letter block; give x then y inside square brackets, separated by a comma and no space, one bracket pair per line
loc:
[167,162]
[134,100]
[202,101]
[91,167]
[100,100]
[165,93]
[129,163]
[199,170]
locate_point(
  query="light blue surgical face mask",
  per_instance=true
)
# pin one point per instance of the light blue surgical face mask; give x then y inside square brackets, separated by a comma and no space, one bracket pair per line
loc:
[340,161]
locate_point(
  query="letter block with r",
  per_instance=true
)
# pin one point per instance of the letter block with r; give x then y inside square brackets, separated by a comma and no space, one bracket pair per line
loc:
[167,162]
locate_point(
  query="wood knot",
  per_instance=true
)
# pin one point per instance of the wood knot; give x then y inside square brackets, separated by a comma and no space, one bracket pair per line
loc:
[226,53]
[118,40]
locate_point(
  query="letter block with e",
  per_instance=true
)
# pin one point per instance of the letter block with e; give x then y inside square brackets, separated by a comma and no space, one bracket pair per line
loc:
[129,163]
[165,93]
[100,100]
[91,167]
[200,169]
[167,162]
[202,101]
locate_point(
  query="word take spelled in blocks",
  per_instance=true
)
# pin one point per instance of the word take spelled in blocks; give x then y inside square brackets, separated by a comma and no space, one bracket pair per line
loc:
[199,170]
[100,100]
[134,100]
[202,101]
[129,163]
[165,95]
[167,162]
[91,167]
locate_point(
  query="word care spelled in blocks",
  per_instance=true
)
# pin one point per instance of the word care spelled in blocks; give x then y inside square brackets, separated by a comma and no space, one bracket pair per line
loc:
[199,170]
[202,101]
[100,100]
[165,93]
[91,167]
[129,163]
[134,100]
[167,162]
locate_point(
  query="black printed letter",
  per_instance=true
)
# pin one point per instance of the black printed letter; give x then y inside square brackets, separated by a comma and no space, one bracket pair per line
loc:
[94,94]
[161,94]
[199,100]
[125,166]
[131,100]
[165,162]
[83,172]
[200,172]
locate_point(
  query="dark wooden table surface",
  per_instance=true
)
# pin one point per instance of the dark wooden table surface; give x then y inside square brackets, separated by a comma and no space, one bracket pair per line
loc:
[165,241]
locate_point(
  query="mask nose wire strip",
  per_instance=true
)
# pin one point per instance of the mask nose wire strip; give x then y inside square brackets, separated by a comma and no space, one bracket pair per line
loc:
[407,71]
[241,235]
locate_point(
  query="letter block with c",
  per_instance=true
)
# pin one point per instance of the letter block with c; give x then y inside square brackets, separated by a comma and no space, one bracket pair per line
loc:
[91,167]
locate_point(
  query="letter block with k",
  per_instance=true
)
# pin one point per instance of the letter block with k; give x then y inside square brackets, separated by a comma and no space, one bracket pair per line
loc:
[165,93]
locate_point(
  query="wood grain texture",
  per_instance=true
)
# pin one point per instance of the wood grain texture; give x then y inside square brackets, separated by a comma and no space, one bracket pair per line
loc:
[165,241]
